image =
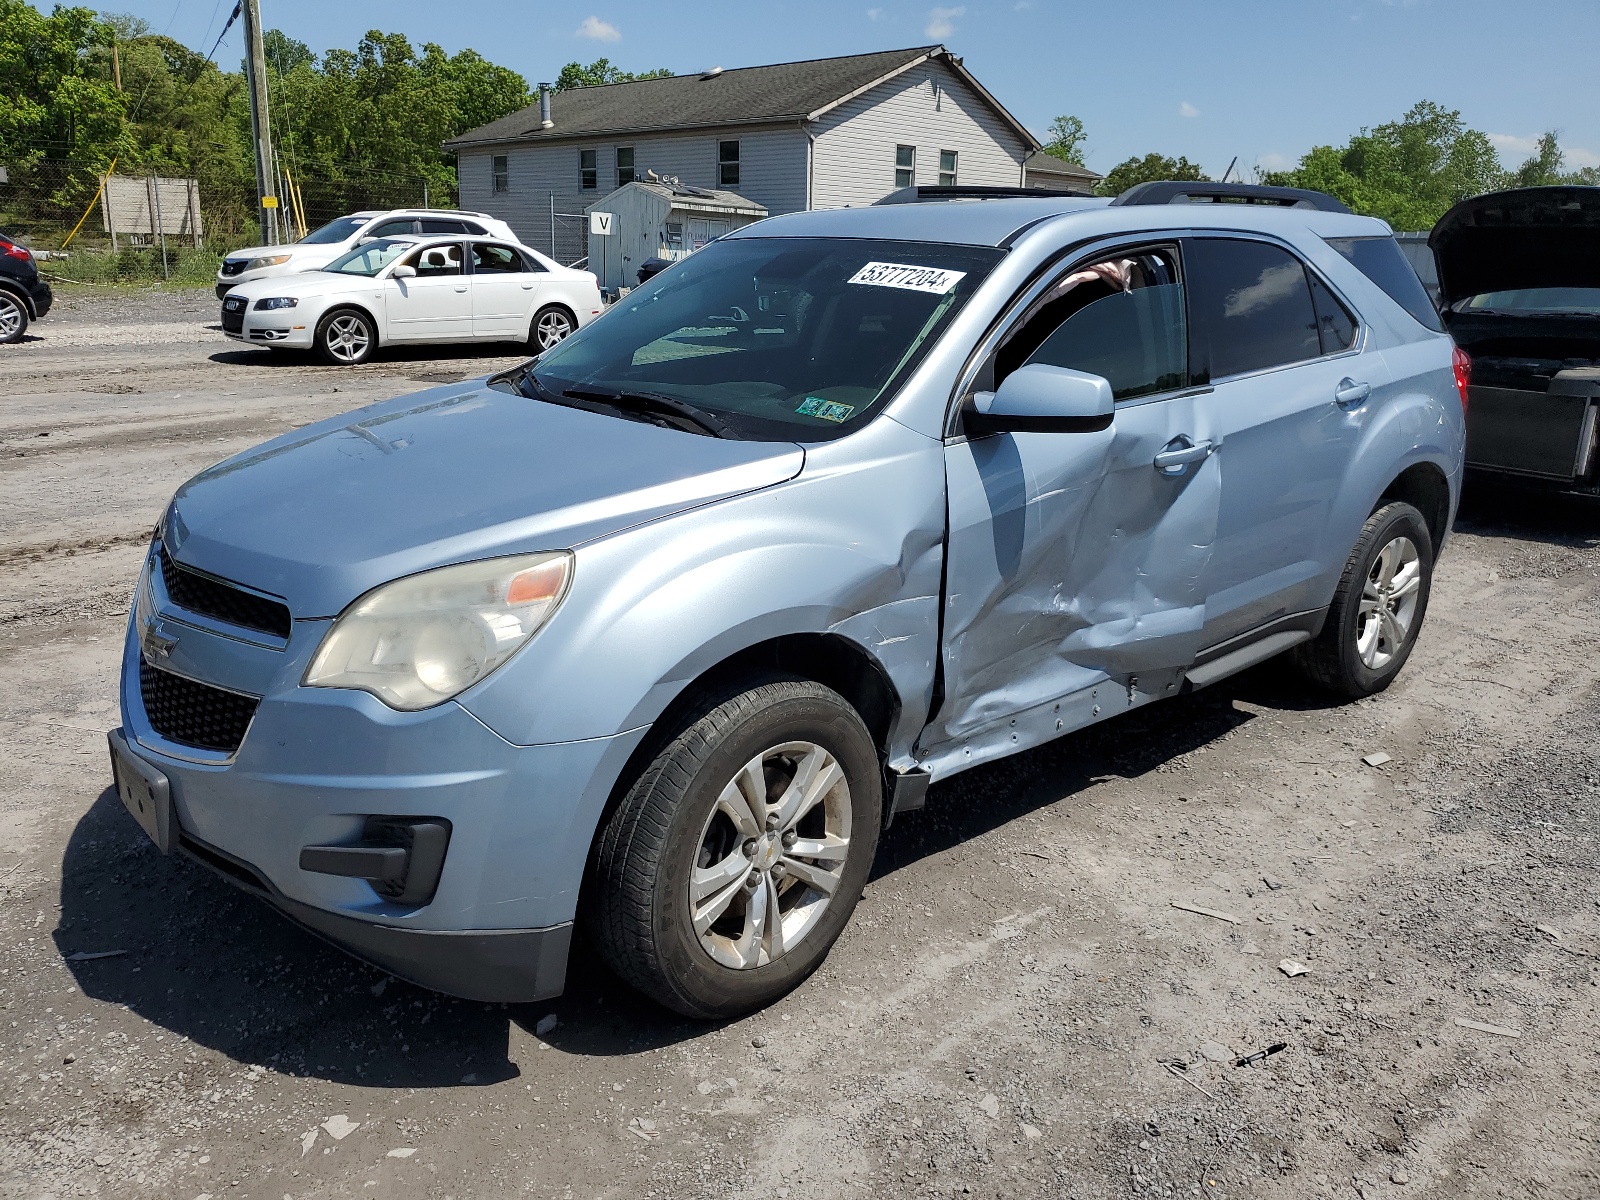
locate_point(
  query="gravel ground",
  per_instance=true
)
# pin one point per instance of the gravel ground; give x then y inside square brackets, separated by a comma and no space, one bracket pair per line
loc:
[1018,1009]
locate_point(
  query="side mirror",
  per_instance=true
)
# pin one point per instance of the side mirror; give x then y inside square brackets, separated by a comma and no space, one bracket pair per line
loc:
[403,271]
[1043,399]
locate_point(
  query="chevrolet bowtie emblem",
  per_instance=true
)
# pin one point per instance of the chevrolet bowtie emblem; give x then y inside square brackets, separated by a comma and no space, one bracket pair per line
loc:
[155,645]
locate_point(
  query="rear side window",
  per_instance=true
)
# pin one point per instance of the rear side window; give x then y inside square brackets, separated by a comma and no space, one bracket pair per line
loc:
[443,225]
[1122,319]
[1334,322]
[1252,305]
[489,258]
[1381,260]
[390,228]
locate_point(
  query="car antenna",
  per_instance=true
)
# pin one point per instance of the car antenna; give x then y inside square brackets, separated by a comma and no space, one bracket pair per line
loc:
[1229,171]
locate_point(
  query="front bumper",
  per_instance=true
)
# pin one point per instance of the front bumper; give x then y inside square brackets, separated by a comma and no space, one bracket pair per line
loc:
[41,297]
[316,763]
[280,327]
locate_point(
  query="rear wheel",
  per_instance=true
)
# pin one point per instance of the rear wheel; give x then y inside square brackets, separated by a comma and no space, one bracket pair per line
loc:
[551,324]
[346,337]
[1378,609]
[736,858]
[13,318]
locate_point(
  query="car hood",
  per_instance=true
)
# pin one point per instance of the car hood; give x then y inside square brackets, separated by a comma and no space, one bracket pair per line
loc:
[309,282]
[1526,238]
[321,515]
[314,252]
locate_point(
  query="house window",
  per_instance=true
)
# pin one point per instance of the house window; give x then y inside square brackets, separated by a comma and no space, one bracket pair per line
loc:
[728,164]
[947,168]
[625,165]
[501,172]
[588,175]
[905,166]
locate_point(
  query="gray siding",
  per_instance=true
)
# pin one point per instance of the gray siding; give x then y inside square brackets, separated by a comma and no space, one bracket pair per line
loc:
[772,172]
[928,107]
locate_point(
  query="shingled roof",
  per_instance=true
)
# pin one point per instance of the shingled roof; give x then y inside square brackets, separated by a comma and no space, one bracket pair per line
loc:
[796,91]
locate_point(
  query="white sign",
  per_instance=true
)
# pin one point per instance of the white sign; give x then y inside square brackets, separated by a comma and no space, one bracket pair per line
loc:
[911,279]
[600,223]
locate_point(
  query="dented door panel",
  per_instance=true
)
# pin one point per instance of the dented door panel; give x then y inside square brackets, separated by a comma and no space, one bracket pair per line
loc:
[1072,561]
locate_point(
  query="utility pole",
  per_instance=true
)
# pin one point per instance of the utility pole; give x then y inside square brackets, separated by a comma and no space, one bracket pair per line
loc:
[255,69]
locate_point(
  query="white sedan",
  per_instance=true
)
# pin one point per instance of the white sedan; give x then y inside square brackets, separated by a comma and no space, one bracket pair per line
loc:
[415,289]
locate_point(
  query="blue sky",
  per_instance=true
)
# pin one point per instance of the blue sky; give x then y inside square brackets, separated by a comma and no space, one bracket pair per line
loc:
[1261,80]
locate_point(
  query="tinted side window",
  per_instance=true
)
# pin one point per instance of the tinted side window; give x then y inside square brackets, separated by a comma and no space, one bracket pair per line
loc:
[443,225]
[1381,261]
[1122,319]
[390,228]
[1253,305]
[487,257]
[530,263]
[1334,322]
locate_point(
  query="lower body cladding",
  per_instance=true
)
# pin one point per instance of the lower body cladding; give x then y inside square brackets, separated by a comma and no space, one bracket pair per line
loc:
[421,842]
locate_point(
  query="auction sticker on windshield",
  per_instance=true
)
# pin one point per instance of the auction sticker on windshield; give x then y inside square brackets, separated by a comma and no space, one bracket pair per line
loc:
[934,280]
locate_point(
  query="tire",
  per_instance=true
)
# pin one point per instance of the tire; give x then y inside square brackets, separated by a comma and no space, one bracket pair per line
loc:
[346,337]
[551,324]
[13,318]
[1358,653]
[686,841]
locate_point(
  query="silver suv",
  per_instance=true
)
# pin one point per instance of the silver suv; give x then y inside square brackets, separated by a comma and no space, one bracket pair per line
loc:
[343,234]
[658,631]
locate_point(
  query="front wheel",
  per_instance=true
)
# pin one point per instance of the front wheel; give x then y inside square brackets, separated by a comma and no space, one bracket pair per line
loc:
[737,856]
[13,318]
[346,337]
[1378,608]
[551,324]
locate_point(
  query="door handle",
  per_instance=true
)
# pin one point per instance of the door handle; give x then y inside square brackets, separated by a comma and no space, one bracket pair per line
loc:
[462,288]
[527,287]
[1180,453]
[1350,394]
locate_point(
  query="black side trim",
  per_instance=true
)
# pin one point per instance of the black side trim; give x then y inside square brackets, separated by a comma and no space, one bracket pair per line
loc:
[977,424]
[1255,646]
[1309,621]
[904,791]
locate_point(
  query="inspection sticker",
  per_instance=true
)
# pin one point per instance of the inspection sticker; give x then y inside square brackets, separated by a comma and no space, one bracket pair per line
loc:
[826,410]
[933,280]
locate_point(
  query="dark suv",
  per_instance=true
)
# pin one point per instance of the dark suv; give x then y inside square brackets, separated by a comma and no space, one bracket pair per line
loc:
[23,295]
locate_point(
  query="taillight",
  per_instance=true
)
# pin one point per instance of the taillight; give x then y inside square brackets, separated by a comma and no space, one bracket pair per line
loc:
[12,250]
[1462,365]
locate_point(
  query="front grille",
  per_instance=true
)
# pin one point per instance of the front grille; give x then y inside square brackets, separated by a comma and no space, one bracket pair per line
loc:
[232,315]
[213,598]
[233,266]
[194,714]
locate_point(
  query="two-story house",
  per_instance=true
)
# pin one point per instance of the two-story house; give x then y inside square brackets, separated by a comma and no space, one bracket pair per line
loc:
[826,133]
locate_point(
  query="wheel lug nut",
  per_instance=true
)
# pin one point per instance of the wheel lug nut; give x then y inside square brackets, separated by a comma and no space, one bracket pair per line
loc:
[790,837]
[772,820]
[750,848]
[752,881]
[778,870]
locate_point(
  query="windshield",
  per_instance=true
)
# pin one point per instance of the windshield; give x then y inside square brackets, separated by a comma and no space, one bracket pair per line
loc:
[334,231]
[369,259]
[1583,300]
[778,338]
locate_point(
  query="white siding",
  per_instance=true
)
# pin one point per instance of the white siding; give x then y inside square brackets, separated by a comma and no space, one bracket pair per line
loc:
[929,107]
[772,172]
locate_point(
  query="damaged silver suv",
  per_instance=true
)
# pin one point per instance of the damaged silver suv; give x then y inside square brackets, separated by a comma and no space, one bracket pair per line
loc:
[655,633]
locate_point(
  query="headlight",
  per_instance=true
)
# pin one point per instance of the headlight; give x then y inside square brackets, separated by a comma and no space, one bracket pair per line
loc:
[276,302]
[273,260]
[418,641]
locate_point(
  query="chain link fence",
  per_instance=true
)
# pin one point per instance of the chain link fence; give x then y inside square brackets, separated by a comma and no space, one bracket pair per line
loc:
[44,200]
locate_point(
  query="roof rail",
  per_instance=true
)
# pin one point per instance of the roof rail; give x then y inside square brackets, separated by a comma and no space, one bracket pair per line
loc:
[925,195]
[1194,192]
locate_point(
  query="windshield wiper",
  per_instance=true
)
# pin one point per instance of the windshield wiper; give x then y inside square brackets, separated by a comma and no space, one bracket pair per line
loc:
[654,404]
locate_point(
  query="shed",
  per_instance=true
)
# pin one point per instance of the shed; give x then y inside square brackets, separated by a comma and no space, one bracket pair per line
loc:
[1042,170]
[662,219]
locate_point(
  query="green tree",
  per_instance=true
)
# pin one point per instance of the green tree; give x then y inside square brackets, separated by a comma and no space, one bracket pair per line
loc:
[1148,169]
[1067,140]
[601,71]
[1409,172]
[57,98]
[1547,168]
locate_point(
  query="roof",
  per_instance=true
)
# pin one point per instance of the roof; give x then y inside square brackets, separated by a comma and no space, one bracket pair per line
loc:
[783,92]
[1041,163]
[692,199]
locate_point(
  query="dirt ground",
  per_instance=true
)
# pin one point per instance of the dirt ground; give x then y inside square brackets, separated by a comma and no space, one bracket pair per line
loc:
[1020,1007]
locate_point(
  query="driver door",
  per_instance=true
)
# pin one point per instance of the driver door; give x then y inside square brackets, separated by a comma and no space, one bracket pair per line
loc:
[1076,567]
[435,304]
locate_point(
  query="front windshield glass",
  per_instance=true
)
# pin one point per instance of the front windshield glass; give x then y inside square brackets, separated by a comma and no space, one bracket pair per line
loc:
[779,338]
[369,259]
[334,231]
[1583,300]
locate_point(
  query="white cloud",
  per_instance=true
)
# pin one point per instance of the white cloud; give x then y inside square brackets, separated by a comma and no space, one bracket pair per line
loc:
[598,30]
[1188,110]
[1577,157]
[1514,149]
[874,14]
[1273,161]
[1510,143]
[941,21]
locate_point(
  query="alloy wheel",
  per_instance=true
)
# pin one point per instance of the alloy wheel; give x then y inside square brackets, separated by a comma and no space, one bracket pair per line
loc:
[11,317]
[1388,603]
[552,328]
[347,338]
[771,855]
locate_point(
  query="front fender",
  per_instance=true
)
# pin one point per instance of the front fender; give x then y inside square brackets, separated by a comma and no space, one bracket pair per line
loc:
[851,546]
